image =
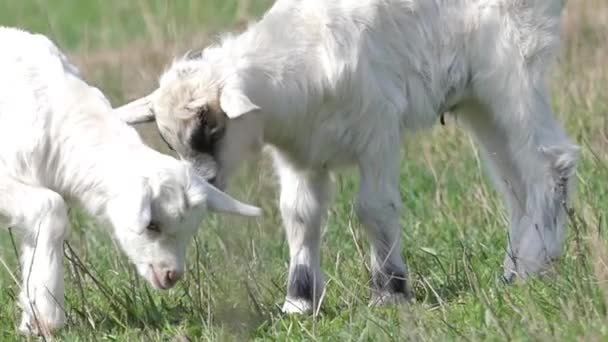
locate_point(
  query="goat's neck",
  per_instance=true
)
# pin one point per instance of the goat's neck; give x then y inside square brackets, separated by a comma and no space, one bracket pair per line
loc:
[88,174]
[93,155]
[283,106]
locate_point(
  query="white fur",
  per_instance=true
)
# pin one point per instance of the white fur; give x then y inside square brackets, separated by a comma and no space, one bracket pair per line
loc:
[332,83]
[59,143]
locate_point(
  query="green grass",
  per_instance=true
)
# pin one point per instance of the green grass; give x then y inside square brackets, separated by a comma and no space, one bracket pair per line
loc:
[94,23]
[453,229]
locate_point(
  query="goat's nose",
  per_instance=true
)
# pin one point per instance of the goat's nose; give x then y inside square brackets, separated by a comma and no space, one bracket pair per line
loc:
[172,276]
[212,180]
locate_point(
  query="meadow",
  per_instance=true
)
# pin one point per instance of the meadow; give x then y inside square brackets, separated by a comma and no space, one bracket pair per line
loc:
[454,225]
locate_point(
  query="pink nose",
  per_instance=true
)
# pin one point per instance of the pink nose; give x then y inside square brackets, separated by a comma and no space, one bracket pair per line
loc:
[171,277]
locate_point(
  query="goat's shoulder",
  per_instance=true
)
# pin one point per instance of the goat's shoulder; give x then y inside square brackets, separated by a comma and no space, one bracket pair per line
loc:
[33,67]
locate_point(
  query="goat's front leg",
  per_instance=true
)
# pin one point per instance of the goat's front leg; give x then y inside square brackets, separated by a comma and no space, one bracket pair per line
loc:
[42,215]
[304,197]
[42,292]
[378,208]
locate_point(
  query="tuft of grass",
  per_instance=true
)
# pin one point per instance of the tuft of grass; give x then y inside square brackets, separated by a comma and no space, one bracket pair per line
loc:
[453,229]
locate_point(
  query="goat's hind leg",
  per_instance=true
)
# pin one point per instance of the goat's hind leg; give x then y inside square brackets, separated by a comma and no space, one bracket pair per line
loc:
[42,215]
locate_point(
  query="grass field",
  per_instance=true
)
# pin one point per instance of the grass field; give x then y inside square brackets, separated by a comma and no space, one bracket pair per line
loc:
[454,228]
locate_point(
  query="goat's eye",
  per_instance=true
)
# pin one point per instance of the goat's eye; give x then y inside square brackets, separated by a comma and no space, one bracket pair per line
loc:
[216,133]
[153,227]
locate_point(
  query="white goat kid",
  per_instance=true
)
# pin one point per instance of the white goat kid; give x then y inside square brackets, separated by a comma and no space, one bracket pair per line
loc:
[58,142]
[331,83]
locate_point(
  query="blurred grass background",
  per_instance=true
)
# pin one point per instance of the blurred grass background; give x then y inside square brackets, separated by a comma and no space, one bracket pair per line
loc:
[94,24]
[453,229]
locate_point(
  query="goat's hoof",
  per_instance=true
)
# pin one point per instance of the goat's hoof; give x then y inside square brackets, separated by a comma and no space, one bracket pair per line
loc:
[511,277]
[297,306]
[32,327]
[386,298]
[514,277]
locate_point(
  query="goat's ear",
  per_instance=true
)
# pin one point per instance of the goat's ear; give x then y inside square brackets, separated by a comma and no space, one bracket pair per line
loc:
[235,103]
[138,111]
[203,194]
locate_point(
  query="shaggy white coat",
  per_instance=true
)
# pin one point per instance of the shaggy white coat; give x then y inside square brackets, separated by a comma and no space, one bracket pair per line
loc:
[332,83]
[58,143]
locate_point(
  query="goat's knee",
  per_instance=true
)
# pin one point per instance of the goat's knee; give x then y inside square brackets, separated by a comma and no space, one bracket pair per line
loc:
[379,214]
[378,207]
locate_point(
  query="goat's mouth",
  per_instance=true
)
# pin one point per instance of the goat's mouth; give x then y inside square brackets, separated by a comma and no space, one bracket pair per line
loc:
[155,281]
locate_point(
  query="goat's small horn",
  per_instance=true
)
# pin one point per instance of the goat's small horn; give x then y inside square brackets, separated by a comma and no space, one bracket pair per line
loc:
[222,202]
[138,111]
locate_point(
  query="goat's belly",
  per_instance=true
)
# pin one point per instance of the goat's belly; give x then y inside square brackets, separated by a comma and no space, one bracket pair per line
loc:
[319,157]
[338,160]
[333,155]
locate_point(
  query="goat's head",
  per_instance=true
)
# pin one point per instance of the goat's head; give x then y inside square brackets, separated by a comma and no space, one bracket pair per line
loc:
[155,219]
[204,117]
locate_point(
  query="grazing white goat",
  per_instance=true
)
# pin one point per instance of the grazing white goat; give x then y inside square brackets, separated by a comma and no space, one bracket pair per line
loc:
[59,142]
[332,83]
